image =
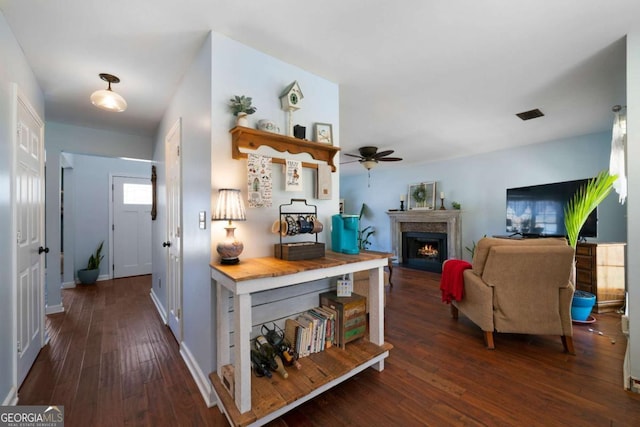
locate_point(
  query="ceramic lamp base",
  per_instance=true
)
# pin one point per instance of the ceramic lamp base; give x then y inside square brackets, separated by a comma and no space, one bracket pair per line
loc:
[230,248]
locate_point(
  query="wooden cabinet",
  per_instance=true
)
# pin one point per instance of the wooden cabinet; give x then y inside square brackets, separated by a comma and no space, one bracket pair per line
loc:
[600,271]
[260,400]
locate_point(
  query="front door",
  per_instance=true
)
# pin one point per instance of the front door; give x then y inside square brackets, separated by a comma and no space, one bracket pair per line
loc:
[29,214]
[173,244]
[131,226]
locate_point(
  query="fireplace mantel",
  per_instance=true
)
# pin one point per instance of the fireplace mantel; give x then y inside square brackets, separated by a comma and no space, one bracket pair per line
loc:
[448,219]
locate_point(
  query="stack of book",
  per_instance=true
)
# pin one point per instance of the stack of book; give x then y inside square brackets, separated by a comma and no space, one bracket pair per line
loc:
[312,331]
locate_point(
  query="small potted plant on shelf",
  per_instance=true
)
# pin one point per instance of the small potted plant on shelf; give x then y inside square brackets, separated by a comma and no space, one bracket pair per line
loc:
[241,107]
[89,275]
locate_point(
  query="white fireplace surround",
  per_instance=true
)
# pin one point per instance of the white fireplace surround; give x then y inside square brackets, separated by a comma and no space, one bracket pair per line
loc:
[442,221]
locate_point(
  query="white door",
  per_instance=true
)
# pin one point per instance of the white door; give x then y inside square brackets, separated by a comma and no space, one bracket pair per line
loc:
[173,244]
[29,214]
[131,226]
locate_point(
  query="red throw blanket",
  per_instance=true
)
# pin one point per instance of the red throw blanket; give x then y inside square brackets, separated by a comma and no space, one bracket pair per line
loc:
[452,281]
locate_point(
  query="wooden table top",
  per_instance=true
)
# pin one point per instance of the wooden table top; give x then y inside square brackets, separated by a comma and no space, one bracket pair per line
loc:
[256,268]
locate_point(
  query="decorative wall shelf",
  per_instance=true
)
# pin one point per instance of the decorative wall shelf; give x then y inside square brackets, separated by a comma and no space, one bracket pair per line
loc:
[252,139]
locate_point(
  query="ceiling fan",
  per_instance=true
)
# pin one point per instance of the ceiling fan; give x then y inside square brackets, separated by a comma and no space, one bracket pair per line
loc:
[369,156]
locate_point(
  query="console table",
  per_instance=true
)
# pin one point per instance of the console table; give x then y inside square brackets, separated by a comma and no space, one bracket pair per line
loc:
[331,366]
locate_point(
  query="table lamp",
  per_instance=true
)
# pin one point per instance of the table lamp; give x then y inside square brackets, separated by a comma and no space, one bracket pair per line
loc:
[229,208]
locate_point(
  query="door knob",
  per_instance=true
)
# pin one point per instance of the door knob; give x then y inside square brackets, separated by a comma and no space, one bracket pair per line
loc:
[41,249]
[165,244]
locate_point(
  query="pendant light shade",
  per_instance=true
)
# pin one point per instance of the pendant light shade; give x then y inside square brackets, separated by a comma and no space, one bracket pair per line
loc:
[107,99]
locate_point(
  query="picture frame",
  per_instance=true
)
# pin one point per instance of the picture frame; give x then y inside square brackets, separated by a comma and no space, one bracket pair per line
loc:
[422,196]
[323,133]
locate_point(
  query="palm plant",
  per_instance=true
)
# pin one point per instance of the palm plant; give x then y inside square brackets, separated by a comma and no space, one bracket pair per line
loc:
[586,199]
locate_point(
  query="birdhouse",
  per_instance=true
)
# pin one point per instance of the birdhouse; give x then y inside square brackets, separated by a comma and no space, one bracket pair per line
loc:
[291,96]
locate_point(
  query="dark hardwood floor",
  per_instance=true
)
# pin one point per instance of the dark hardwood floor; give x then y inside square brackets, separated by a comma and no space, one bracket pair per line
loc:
[112,362]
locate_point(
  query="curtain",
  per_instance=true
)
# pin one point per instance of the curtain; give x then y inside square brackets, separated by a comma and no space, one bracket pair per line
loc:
[617,163]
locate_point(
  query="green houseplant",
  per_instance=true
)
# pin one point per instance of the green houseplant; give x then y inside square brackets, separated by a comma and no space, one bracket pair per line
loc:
[364,233]
[586,199]
[89,275]
[241,107]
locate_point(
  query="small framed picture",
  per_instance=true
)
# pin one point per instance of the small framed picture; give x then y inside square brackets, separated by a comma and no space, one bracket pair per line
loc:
[422,196]
[323,133]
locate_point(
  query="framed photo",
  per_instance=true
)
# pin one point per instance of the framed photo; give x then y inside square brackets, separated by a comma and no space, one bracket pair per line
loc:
[422,196]
[323,133]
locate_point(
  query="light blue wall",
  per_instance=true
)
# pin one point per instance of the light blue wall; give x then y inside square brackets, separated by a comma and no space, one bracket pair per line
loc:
[240,70]
[61,138]
[192,104]
[479,183]
[224,68]
[13,69]
[86,208]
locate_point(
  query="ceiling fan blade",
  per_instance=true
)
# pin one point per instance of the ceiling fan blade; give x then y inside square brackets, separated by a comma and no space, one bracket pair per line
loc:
[389,159]
[352,155]
[350,161]
[382,154]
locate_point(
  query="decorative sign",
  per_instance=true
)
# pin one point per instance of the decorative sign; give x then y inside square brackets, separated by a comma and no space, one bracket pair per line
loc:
[259,183]
[293,175]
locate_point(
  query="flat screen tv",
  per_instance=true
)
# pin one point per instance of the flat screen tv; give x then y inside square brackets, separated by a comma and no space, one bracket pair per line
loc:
[538,210]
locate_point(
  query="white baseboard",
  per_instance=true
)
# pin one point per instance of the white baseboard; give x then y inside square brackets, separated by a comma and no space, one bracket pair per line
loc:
[202,380]
[159,307]
[68,285]
[54,309]
[11,399]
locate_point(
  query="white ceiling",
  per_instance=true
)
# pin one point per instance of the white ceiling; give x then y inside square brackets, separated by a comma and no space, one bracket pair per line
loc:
[430,79]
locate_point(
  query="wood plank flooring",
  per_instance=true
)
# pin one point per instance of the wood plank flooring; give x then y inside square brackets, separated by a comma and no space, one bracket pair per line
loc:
[111,362]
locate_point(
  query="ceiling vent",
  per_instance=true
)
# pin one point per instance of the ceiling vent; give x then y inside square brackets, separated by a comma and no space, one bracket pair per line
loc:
[531,114]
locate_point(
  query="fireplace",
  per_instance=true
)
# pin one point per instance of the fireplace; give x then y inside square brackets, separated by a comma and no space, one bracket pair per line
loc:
[424,251]
[444,223]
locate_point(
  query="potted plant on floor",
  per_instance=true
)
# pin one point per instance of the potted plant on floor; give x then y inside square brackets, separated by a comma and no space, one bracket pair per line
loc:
[586,199]
[89,275]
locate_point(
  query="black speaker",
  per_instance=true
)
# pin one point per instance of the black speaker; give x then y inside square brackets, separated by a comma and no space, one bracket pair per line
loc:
[299,132]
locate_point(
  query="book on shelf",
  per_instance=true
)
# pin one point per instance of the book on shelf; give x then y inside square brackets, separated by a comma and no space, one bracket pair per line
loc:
[292,333]
[335,325]
[307,334]
[329,325]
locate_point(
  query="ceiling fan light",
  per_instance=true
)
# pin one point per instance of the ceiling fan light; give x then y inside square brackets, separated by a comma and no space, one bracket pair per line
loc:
[369,164]
[108,100]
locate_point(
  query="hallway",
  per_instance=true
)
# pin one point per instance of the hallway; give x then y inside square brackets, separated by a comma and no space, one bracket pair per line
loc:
[111,362]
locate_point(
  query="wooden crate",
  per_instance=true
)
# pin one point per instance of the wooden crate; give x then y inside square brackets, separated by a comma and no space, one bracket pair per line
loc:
[299,250]
[352,315]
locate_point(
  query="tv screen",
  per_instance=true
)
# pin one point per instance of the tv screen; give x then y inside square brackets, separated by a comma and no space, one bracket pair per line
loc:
[538,210]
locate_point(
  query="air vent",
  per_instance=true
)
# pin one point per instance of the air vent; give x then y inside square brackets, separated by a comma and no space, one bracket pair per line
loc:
[531,114]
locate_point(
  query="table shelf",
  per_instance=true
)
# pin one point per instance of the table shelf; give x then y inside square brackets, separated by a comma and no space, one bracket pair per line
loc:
[253,403]
[320,371]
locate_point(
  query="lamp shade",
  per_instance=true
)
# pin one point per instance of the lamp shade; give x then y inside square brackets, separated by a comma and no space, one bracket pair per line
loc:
[230,206]
[369,164]
[108,100]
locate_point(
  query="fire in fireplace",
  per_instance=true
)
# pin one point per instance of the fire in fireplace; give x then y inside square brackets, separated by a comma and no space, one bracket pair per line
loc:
[424,251]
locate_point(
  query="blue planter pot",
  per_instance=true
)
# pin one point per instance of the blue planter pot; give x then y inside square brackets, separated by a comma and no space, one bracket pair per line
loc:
[88,277]
[582,305]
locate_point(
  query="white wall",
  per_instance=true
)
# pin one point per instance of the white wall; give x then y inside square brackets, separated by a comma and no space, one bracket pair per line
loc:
[86,208]
[13,69]
[479,183]
[61,138]
[633,201]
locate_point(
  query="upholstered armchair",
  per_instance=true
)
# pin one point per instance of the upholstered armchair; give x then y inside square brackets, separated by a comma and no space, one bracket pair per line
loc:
[520,286]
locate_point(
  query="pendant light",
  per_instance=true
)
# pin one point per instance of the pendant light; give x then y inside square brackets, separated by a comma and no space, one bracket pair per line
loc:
[107,99]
